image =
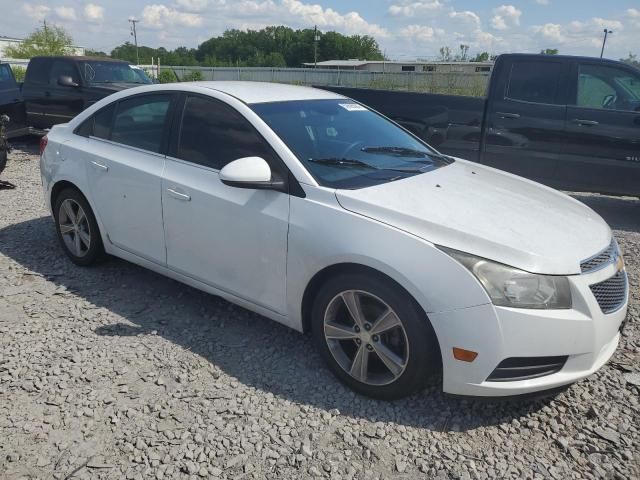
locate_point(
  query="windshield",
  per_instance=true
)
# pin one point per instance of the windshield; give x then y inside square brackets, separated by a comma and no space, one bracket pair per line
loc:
[112,72]
[345,145]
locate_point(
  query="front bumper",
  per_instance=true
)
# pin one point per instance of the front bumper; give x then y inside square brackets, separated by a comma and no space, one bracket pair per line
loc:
[584,334]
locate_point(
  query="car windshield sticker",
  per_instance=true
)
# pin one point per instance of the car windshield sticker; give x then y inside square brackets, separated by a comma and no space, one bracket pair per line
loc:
[353,107]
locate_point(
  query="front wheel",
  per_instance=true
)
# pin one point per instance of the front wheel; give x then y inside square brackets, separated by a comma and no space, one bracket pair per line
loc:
[373,336]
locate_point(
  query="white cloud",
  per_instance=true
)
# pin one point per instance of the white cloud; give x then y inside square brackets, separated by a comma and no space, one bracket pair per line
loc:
[418,32]
[159,16]
[550,31]
[314,14]
[633,15]
[36,12]
[466,16]
[408,8]
[93,12]
[65,13]
[505,17]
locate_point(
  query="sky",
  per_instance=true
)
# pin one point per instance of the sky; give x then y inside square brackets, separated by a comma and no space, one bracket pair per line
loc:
[405,29]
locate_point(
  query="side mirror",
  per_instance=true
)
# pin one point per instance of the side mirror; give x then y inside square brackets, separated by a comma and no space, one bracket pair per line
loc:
[67,81]
[250,172]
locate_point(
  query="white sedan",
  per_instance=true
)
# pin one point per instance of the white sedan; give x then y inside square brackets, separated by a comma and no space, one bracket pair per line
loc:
[317,212]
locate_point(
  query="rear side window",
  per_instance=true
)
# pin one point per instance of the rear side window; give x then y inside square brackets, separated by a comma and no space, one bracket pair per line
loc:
[140,121]
[38,71]
[98,125]
[536,82]
[214,134]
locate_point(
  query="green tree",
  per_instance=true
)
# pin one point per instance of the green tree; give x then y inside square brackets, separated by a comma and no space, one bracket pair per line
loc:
[549,51]
[48,40]
[481,57]
[94,53]
[632,59]
[445,54]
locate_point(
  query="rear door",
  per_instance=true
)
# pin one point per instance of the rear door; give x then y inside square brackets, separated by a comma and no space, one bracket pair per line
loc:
[603,125]
[34,88]
[124,149]
[524,131]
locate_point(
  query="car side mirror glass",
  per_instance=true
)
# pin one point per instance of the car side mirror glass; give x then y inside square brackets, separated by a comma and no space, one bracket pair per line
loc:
[66,81]
[250,172]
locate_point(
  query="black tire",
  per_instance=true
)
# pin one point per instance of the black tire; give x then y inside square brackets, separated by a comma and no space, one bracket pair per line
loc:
[95,253]
[424,353]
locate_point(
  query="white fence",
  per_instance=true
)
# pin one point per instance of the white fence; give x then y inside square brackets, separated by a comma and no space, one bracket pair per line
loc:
[434,82]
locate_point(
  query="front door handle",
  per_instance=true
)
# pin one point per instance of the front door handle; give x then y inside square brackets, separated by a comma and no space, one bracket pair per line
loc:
[508,115]
[585,123]
[179,195]
[100,166]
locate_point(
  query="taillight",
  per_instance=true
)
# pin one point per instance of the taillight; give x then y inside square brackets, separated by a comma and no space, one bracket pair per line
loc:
[43,144]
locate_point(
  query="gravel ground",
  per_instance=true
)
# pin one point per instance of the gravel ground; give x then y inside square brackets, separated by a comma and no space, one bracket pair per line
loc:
[116,372]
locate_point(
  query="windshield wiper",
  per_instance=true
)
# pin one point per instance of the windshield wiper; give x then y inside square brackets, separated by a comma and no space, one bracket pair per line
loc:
[405,152]
[351,163]
[342,162]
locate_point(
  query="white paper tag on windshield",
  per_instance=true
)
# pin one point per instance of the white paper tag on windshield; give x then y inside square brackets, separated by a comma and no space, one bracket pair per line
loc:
[353,107]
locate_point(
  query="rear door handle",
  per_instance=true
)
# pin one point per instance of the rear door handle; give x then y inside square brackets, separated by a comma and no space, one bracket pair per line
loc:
[100,166]
[179,195]
[586,123]
[508,115]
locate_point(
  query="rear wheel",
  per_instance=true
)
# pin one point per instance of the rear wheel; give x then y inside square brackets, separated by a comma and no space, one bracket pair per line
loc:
[373,336]
[77,228]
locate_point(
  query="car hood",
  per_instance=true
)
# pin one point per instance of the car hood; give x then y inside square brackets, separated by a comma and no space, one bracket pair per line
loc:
[488,213]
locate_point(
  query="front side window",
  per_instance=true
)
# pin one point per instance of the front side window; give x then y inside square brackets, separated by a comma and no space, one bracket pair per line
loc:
[536,82]
[214,134]
[60,68]
[610,88]
[140,121]
[97,72]
[345,145]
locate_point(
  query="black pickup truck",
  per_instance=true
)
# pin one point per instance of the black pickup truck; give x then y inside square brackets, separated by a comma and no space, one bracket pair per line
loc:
[569,122]
[56,89]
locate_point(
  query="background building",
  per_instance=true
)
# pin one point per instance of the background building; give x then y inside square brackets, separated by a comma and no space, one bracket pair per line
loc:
[412,66]
[10,41]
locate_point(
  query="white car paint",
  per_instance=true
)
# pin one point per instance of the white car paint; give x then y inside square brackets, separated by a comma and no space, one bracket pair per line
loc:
[262,248]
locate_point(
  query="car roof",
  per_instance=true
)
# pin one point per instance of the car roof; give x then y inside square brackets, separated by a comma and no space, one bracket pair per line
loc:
[263,92]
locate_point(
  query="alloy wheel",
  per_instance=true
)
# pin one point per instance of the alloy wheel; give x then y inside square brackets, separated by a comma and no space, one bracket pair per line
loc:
[366,337]
[74,227]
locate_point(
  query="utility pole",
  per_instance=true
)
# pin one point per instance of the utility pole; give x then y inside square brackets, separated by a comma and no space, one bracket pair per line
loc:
[316,38]
[604,42]
[133,22]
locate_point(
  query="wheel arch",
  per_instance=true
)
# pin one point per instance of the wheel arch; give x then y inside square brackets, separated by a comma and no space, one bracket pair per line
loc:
[341,268]
[59,186]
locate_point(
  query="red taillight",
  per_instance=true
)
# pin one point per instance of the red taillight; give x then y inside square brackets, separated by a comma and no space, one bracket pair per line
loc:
[43,144]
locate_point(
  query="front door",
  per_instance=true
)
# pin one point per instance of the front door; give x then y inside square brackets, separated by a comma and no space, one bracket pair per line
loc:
[524,131]
[230,238]
[603,124]
[125,160]
[62,102]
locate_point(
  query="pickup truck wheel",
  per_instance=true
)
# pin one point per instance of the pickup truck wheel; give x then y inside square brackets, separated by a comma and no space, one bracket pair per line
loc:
[77,228]
[373,336]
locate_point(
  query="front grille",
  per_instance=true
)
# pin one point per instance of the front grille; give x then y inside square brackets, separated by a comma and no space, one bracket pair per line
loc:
[611,293]
[525,368]
[600,260]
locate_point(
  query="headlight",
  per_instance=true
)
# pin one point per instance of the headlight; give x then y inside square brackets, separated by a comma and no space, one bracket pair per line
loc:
[510,287]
